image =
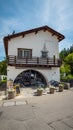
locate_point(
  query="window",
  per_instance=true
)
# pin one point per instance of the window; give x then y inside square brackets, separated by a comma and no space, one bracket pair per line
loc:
[23,53]
[44,54]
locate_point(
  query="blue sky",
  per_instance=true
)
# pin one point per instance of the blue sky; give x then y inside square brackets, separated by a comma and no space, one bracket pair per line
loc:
[21,15]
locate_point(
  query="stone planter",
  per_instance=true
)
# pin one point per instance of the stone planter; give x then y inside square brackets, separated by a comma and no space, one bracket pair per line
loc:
[11,94]
[9,84]
[39,92]
[67,86]
[52,90]
[61,88]
[0,94]
[17,89]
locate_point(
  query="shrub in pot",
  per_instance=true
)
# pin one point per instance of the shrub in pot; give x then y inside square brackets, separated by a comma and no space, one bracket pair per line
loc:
[51,89]
[11,93]
[67,86]
[39,91]
[61,87]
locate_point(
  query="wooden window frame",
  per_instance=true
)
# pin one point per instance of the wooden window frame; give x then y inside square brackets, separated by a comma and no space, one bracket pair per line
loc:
[24,50]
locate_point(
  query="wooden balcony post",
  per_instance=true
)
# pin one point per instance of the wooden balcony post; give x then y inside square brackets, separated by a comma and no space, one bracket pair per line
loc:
[54,59]
[47,61]
[37,60]
[26,60]
[15,60]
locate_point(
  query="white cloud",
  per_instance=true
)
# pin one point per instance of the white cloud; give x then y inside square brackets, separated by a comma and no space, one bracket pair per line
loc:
[64,13]
[57,14]
[46,11]
[1,39]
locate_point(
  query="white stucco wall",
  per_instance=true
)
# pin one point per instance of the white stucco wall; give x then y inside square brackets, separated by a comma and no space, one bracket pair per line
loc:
[35,42]
[49,74]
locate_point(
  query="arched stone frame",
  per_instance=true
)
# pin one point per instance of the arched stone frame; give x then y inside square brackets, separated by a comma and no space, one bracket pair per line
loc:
[36,71]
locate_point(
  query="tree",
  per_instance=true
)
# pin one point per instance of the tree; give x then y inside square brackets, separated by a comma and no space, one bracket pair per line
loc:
[66,70]
[66,52]
[63,53]
[69,61]
[71,49]
[3,67]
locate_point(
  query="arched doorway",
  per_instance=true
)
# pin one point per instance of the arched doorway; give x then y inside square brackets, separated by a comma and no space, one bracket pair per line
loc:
[30,78]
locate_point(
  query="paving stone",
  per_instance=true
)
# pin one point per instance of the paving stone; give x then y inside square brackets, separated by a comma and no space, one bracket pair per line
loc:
[21,112]
[1,104]
[20,103]
[60,126]
[69,122]
[11,125]
[6,104]
[35,124]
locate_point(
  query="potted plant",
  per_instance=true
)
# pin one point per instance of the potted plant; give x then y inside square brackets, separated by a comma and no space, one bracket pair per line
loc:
[11,93]
[17,89]
[61,87]
[39,91]
[51,89]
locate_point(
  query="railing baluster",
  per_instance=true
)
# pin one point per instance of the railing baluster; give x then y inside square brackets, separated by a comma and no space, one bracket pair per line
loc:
[37,60]
[54,59]
[15,60]
[26,60]
[47,61]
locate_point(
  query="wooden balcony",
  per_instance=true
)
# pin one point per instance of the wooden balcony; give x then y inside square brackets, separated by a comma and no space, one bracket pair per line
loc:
[33,62]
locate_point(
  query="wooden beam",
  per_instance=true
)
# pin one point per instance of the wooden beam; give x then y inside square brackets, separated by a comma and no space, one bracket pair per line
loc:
[23,35]
[36,32]
[53,34]
[44,29]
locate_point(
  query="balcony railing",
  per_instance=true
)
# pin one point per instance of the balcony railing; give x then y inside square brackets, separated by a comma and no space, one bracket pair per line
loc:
[33,62]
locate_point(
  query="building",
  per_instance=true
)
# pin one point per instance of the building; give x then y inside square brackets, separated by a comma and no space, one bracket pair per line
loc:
[33,56]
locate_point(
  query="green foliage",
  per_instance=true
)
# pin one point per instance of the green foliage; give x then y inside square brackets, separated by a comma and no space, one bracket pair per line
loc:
[69,62]
[66,69]
[40,89]
[51,87]
[4,81]
[61,85]
[69,77]
[71,49]
[3,67]
[4,78]
[65,52]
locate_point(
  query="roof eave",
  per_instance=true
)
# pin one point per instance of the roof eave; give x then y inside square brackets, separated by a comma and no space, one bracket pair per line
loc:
[7,38]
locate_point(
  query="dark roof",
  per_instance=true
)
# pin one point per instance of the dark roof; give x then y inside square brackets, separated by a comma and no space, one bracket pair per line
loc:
[44,28]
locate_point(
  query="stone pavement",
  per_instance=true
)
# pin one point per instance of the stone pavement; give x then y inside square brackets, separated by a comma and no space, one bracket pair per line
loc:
[47,112]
